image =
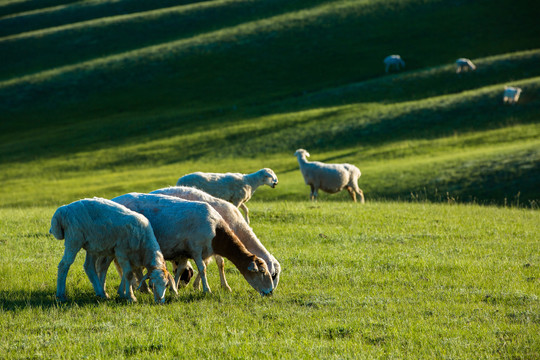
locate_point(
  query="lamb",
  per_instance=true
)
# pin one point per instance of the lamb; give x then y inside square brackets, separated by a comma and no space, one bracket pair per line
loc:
[511,94]
[235,188]
[464,64]
[105,228]
[331,178]
[236,222]
[393,62]
[192,229]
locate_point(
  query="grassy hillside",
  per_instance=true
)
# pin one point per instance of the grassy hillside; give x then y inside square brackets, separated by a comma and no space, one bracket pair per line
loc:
[159,89]
[104,97]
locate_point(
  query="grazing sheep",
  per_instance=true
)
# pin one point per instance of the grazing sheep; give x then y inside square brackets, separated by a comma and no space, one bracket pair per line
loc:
[393,62]
[105,228]
[235,188]
[331,178]
[236,222]
[464,64]
[511,94]
[192,229]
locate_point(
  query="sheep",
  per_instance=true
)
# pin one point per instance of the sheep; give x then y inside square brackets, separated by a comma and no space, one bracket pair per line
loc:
[102,228]
[393,61]
[464,64]
[511,94]
[236,222]
[331,178]
[235,188]
[193,229]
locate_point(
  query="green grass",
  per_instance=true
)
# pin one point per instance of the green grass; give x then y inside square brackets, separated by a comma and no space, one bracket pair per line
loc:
[382,280]
[104,97]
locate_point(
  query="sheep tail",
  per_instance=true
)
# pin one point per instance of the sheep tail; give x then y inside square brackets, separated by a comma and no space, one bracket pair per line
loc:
[57,229]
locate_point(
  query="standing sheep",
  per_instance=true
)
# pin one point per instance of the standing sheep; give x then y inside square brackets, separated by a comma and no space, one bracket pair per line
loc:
[331,178]
[192,229]
[511,94]
[236,222]
[393,62]
[463,65]
[105,228]
[235,188]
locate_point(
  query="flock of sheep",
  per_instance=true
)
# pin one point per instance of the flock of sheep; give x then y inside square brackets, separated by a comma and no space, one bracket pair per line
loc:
[196,219]
[510,95]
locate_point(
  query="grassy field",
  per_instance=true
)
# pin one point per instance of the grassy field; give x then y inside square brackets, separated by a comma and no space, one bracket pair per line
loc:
[384,280]
[104,97]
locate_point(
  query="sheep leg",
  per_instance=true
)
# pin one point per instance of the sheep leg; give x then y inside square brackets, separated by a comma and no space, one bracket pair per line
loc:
[197,281]
[313,194]
[201,266]
[125,289]
[90,269]
[246,211]
[352,193]
[102,265]
[221,266]
[63,268]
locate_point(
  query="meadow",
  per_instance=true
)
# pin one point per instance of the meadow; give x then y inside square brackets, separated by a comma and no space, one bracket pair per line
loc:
[384,280]
[104,97]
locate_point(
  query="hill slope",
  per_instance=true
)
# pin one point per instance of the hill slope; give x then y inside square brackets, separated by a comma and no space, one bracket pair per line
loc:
[122,87]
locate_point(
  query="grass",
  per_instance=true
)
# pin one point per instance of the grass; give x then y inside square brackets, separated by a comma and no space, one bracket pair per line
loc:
[104,97]
[381,280]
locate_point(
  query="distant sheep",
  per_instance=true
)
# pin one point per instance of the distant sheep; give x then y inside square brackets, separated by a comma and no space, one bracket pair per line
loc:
[511,94]
[236,222]
[331,178]
[101,227]
[393,62]
[193,229]
[463,65]
[235,188]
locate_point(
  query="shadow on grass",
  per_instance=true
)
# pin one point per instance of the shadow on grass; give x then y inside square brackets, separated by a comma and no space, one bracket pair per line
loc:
[14,301]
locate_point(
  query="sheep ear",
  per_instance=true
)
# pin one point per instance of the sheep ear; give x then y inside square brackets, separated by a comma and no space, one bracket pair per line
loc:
[261,264]
[253,267]
[172,284]
[145,277]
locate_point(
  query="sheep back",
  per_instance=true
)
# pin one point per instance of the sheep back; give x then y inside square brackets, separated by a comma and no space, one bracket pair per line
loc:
[180,226]
[330,178]
[228,186]
[100,224]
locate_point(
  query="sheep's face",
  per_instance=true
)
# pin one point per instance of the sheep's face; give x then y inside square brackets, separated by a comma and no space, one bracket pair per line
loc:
[270,178]
[259,277]
[159,279]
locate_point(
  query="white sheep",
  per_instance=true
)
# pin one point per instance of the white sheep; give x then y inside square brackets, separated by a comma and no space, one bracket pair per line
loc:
[511,94]
[103,227]
[393,62]
[463,65]
[236,222]
[235,188]
[331,178]
[193,229]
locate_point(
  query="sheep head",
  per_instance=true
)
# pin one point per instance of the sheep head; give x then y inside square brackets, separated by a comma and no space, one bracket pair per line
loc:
[269,177]
[302,153]
[159,279]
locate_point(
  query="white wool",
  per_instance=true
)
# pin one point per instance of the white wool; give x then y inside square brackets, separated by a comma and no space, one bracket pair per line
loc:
[186,229]
[234,219]
[105,228]
[393,62]
[330,178]
[235,188]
